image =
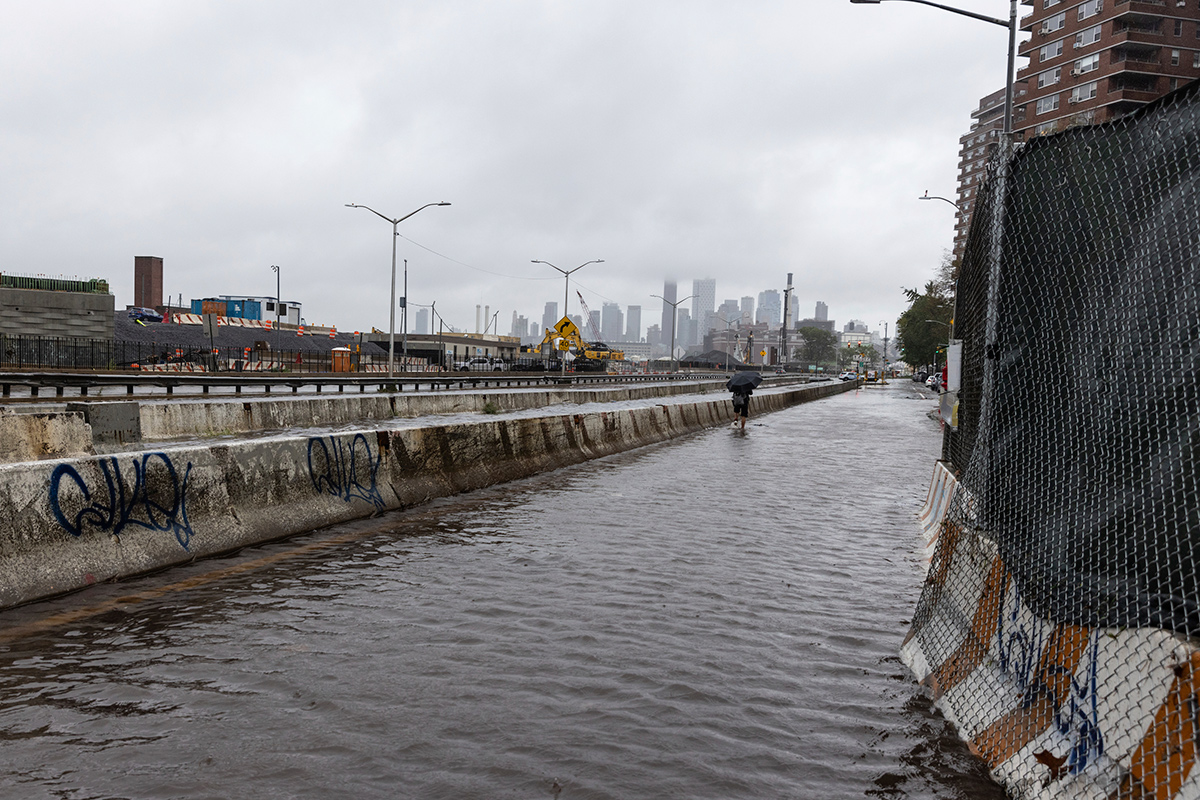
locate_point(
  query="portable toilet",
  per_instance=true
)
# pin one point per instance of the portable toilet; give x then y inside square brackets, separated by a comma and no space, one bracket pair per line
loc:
[342,361]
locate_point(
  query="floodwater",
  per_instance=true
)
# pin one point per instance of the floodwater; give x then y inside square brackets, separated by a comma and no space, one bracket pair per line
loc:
[716,617]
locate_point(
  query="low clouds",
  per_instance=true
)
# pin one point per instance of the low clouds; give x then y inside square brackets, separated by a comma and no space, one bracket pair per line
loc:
[681,139]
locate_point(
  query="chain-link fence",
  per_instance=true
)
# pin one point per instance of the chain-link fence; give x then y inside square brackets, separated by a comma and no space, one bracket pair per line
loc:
[1056,624]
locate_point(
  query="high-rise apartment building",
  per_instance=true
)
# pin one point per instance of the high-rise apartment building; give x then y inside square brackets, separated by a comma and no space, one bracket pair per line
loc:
[822,312]
[633,324]
[975,147]
[704,303]
[1097,60]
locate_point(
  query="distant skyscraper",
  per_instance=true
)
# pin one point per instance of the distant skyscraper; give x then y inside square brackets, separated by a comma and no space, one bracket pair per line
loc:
[593,325]
[728,312]
[520,326]
[770,307]
[822,312]
[704,303]
[422,321]
[685,331]
[633,324]
[747,310]
[612,322]
[549,316]
[670,293]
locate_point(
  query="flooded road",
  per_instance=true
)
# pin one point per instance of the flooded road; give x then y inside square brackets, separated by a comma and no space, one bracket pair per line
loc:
[716,617]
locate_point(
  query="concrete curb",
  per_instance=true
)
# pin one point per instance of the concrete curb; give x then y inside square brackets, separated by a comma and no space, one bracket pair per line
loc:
[73,522]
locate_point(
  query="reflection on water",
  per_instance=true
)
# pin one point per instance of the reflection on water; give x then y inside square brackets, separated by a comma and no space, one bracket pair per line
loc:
[716,617]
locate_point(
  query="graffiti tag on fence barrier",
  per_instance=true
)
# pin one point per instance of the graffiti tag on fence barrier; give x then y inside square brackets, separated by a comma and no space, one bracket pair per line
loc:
[345,471]
[1076,716]
[151,494]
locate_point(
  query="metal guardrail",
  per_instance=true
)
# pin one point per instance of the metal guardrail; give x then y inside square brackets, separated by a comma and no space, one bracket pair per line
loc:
[60,382]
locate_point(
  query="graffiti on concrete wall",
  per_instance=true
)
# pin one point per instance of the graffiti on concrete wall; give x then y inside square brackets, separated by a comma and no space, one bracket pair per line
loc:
[151,493]
[345,470]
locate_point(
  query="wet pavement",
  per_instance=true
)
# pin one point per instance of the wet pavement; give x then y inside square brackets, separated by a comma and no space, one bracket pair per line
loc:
[714,617]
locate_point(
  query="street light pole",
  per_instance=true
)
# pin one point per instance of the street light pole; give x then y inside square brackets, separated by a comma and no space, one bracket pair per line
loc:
[1011,24]
[279,356]
[404,317]
[392,311]
[674,308]
[727,324]
[566,284]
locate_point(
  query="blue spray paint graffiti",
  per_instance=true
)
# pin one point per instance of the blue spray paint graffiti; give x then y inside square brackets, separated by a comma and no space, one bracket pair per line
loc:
[158,504]
[1076,716]
[345,471]
[1079,720]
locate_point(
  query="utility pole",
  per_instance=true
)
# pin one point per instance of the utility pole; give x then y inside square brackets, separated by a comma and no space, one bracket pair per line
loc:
[783,346]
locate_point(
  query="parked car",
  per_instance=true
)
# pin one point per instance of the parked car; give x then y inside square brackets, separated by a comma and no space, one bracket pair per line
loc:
[481,364]
[145,315]
[848,376]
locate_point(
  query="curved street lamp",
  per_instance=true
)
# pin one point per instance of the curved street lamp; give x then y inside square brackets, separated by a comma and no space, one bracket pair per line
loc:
[566,284]
[1011,24]
[392,311]
[674,307]
[928,196]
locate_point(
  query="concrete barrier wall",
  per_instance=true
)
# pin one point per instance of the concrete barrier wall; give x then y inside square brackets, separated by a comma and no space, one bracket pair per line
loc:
[161,421]
[70,523]
[30,437]
[1055,710]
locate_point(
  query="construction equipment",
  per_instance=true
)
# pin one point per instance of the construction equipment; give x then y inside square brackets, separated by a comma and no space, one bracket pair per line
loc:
[567,335]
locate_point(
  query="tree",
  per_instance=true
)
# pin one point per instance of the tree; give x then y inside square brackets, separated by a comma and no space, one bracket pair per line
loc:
[925,325]
[819,345]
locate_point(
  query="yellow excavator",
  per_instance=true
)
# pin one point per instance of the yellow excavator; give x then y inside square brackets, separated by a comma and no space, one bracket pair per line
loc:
[567,335]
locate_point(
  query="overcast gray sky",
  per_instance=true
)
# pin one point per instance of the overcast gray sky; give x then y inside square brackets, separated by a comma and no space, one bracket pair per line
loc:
[735,141]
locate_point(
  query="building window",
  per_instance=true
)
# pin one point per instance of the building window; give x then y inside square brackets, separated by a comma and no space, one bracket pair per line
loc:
[1174,58]
[1044,128]
[1054,23]
[1049,77]
[1086,37]
[1047,104]
[1088,64]
[1050,3]
[1173,84]
[1196,59]
[1052,50]
[1085,92]
[1179,27]
[1090,9]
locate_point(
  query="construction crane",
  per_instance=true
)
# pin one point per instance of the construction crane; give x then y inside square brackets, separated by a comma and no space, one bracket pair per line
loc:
[587,314]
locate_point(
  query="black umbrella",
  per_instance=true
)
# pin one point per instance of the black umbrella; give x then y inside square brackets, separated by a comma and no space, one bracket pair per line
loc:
[743,379]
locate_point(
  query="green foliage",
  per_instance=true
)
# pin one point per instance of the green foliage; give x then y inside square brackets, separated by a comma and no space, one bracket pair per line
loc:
[917,337]
[491,408]
[819,347]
